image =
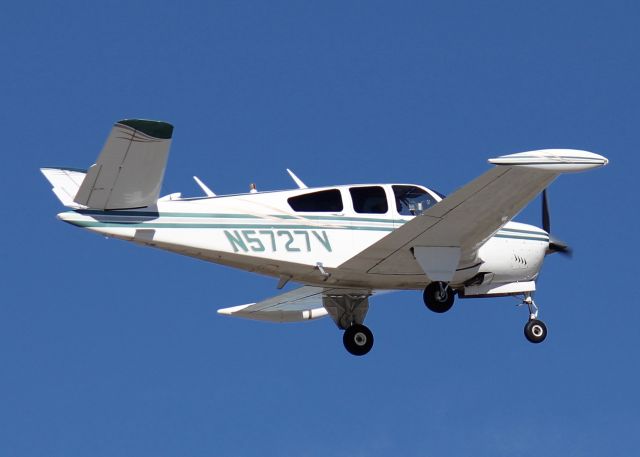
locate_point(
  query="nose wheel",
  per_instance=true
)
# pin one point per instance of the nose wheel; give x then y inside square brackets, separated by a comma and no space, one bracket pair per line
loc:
[358,339]
[534,330]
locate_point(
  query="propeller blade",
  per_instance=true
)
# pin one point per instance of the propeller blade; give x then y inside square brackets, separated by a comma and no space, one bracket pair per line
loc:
[546,222]
[555,245]
[559,246]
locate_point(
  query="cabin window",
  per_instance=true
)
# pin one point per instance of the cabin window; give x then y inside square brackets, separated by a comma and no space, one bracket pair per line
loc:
[412,200]
[325,201]
[372,200]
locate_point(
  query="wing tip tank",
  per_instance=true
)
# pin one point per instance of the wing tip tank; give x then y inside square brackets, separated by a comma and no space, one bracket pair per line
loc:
[553,160]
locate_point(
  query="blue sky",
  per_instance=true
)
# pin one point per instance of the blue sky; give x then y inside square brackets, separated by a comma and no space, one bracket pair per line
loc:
[107,349]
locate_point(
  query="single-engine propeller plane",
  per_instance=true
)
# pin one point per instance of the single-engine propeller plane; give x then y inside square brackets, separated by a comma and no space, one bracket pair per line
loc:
[342,244]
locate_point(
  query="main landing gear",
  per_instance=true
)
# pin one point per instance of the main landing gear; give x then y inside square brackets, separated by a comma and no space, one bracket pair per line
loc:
[534,330]
[348,312]
[438,297]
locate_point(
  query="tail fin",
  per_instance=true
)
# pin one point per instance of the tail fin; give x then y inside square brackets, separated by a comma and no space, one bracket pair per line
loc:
[130,167]
[65,182]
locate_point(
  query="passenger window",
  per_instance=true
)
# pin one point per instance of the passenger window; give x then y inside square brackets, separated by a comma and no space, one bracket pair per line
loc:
[369,199]
[325,201]
[412,200]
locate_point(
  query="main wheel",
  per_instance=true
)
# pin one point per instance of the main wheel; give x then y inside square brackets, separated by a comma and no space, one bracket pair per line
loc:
[438,297]
[358,339]
[535,331]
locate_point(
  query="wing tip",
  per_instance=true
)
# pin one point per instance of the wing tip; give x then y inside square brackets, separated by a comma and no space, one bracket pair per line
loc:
[553,160]
[230,311]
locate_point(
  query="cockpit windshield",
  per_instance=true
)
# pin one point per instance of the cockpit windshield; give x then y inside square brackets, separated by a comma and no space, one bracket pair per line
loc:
[412,200]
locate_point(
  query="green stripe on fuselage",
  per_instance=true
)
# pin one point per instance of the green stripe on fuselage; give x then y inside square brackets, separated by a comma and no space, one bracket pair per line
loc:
[156,215]
[511,233]
[116,224]
[519,237]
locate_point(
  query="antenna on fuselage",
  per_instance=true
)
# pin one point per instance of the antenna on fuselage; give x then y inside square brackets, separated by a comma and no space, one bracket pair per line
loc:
[204,187]
[252,188]
[297,180]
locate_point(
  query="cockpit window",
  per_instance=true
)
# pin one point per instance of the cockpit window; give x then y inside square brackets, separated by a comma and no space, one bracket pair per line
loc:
[412,200]
[325,201]
[372,200]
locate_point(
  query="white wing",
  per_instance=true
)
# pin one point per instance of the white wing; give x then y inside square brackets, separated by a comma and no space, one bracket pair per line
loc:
[470,216]
[301,304]
[65,182]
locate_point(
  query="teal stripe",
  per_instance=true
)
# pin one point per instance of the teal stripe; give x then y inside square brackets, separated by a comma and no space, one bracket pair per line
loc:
[333,218]
[503,233]
[516,237]
[155,215]
[527,232]
[112,224]
[346,218]
[151,214]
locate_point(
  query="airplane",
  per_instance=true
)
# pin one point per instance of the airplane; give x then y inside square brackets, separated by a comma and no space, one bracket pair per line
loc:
[341,244]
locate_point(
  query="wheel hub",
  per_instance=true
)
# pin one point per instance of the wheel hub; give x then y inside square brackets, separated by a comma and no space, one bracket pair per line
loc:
[360,339]
[535,331]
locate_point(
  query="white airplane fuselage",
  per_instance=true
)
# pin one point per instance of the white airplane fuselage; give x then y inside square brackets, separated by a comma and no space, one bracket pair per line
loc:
[343,244]
[260,232]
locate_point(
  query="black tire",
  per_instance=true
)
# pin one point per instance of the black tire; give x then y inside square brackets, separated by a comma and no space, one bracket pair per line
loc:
[535,331]
[358,339]
[435,300]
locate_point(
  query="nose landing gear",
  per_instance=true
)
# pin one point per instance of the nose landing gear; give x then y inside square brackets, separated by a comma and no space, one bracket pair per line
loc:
[534,330]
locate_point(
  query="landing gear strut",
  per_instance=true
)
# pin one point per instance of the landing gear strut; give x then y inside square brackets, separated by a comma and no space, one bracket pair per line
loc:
[534,330]
[438,297]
